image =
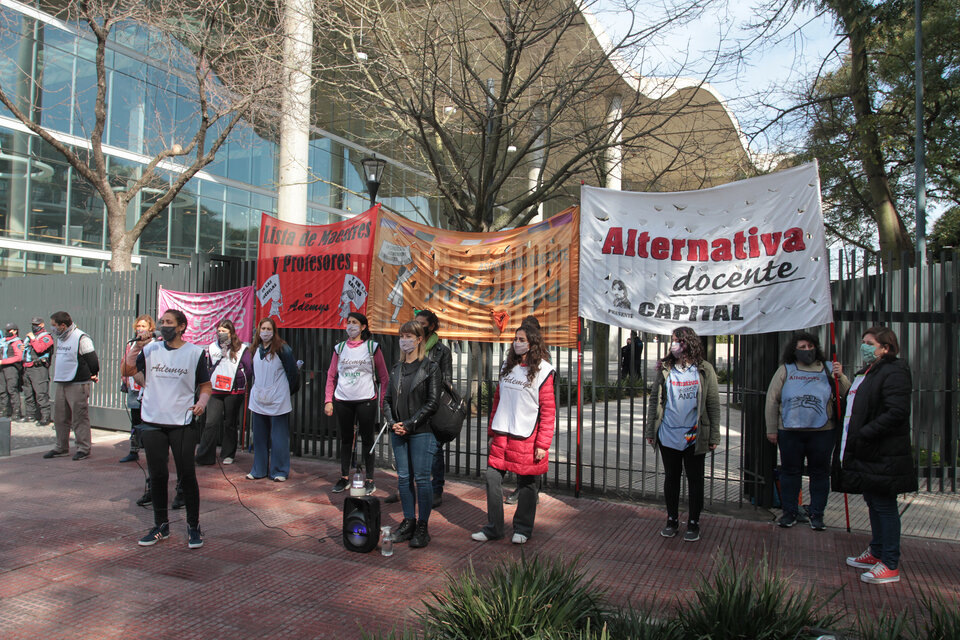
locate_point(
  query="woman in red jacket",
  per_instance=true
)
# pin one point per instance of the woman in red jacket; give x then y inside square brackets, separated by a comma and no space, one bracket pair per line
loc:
[520,431]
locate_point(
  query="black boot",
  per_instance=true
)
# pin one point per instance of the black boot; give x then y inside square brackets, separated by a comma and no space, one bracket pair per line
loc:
[146,498]
[421,537]
[405,530]
[178,501]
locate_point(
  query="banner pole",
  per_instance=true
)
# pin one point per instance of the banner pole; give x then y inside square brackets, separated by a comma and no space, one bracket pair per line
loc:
[576,492]
[836,388]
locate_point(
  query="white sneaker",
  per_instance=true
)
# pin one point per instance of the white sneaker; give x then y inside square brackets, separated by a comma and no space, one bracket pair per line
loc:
[228,461]
[250,476]
[280,479]
[479,536]
[519,538]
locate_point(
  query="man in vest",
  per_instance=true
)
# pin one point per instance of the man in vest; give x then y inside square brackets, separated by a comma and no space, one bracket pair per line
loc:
[36,372]
[11,363]
[75,368]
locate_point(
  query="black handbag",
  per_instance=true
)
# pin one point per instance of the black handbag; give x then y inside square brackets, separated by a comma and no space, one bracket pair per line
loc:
[451,412]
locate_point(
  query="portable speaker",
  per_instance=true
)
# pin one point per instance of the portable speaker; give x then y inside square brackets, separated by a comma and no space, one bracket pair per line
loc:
[361,524]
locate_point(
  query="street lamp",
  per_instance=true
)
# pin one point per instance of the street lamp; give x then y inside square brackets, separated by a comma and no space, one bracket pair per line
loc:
[373,171]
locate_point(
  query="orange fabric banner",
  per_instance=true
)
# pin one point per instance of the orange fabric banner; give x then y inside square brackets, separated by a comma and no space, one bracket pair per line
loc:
[481,285]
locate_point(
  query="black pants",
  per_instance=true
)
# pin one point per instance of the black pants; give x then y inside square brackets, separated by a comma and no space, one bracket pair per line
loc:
[36,392]
[223,411]
[673,462]
[364,415]
[10,391]
[135,422]
[158,444]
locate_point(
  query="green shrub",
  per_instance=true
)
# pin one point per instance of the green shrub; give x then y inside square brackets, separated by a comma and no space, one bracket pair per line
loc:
[751,601]
[883,627]
[942,619]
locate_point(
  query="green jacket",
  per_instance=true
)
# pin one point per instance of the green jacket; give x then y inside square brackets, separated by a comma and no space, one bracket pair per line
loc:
[708,408]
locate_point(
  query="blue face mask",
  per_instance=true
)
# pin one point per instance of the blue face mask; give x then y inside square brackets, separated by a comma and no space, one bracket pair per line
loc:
[868,353]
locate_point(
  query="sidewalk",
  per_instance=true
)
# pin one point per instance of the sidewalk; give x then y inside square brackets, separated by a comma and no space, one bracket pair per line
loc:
[70,566]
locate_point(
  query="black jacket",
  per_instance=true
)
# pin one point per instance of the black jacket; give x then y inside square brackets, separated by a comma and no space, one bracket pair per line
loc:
[878,457]
[414,403]
[440,354]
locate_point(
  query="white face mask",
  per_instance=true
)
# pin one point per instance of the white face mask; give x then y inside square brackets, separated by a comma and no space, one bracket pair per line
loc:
[520,348]
[353,330]
[223,338]
[266,336]
[407,344]
[676,348]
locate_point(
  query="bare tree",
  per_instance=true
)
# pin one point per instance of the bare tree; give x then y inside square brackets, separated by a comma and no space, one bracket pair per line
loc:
[510,104]
[220,57]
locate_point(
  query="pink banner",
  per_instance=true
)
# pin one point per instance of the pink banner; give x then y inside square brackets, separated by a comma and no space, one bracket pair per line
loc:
[205,310]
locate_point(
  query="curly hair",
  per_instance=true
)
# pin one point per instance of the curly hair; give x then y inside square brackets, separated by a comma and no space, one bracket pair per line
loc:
[789,351]
[533,357]
[692,348]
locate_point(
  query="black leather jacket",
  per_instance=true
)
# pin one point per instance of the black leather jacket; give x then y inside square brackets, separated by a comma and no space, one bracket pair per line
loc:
[415,403]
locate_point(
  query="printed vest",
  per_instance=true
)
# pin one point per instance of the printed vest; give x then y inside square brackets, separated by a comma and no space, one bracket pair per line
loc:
[804,398]
[519,404]
[270,395]
[355,371]
[68,353]
[170,383]
[223,369]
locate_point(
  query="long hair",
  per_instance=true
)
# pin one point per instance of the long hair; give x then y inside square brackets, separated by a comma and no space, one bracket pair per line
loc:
[415,328]
[534,355]
[235,343]
[789,357]
[692,348]
[146,317]
[275,345]
[362,319]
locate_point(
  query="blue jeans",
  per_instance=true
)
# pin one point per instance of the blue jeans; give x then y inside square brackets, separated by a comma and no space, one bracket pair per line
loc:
[816,447]
[271,445]
[885,527]
[414,455]
[439,467]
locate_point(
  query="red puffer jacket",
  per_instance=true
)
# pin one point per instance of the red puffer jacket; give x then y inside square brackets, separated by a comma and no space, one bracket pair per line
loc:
[510,453]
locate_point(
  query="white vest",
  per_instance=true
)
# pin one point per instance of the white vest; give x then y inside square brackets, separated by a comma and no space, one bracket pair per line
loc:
[270,395]
[519,403]
[170,383]
[355,370]
[68,352]
[224,367]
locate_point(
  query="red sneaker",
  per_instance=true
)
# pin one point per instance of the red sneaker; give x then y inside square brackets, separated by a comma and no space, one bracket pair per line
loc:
[881,574]
[865,560]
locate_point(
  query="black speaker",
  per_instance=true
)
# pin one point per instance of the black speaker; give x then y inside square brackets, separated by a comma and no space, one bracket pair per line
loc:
[361,524]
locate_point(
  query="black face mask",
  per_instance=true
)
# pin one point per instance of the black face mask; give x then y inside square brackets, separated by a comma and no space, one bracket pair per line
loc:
[168,333]
[806,356]
[36,328]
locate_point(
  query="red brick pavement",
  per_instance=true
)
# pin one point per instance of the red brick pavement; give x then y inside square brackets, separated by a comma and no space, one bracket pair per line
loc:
[70,566]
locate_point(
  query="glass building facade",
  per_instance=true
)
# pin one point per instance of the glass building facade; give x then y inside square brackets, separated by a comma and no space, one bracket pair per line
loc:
[53,221]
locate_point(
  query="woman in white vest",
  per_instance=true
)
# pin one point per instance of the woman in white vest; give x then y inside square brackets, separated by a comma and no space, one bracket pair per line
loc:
[520,431]
[173,373]
[355,381]
[275,380]
[801,412]
[683,418]
[231,367]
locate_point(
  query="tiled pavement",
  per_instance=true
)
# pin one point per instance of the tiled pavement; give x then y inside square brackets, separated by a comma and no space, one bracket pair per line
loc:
[70,566]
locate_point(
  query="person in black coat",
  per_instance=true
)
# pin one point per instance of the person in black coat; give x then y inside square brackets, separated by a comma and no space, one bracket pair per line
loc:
[875,457]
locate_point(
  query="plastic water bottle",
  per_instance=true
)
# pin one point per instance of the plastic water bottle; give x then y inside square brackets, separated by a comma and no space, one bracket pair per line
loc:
[357,489]
[386,543]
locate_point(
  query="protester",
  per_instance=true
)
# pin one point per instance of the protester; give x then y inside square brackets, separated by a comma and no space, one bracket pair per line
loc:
[355,381]
[231,367]
[520,431]
[631,357]
[409,402]
[275,380]
[36,372]
[143,328]
[76,367]
[173,373]
[683,419]
[876,458]
[11,364]
[801,413]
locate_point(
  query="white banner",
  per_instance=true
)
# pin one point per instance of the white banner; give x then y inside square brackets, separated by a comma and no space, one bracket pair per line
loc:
[745,257]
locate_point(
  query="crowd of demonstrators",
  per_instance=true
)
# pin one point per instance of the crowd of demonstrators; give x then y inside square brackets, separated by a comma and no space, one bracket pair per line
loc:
[410,401]
[520,433]
[37,349]
[275,379]
[683,420]
[176,389]
[356,380]
[231,368]
[801,411]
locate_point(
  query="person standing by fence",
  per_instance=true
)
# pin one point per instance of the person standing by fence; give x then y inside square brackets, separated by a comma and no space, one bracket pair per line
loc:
[11,364]
[74,371]
[231,368]
[36,372]
[143,328]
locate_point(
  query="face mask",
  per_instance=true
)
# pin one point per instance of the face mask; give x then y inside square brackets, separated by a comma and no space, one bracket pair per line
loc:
[9,334]
[168,333]
[353,330]
[520,348]
[406,344]
[806,356]
[56,332]
[868,353]
[266,336]
[676,348]
[223,339]
[36,328]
